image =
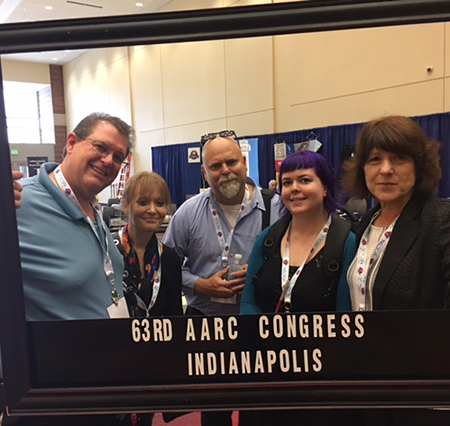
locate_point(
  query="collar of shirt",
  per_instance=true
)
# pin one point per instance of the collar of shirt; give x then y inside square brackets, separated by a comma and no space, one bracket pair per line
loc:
[64,202]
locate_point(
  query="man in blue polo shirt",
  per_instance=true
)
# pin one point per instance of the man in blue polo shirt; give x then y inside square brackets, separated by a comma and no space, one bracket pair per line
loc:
[71,268]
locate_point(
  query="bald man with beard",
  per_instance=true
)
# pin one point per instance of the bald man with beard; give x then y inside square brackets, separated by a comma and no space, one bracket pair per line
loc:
[210,229]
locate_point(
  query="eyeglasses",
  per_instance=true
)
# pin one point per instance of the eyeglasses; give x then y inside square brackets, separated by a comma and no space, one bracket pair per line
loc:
[223,134]
[103,150]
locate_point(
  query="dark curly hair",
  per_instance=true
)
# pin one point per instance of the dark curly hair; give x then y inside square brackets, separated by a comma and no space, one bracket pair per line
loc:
[399,135]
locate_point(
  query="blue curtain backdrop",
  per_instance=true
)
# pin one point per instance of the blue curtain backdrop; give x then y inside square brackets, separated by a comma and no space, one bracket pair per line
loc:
[333,140]
[253,162]
[184,178]
[437,126]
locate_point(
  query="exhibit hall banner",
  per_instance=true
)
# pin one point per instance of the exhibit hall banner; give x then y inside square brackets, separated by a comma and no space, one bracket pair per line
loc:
[241,349]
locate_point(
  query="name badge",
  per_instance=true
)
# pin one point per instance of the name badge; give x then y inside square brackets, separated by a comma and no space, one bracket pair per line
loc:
[226,301]
[120,310]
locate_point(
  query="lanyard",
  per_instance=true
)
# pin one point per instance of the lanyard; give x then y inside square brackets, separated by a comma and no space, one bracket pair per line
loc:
[156,279]
[107,262]
[225,245]
[364,268]
[287,289]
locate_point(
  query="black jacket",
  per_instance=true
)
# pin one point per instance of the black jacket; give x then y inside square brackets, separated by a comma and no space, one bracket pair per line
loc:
[168,302]
[415,270]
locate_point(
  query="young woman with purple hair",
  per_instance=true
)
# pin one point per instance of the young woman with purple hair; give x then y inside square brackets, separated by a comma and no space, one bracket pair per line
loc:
[292,278]
[287,267]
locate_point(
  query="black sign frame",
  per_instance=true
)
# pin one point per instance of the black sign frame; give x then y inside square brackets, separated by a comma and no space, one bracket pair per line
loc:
[19,348]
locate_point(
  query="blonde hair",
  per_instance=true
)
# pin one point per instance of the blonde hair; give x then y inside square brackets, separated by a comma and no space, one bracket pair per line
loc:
[144,183]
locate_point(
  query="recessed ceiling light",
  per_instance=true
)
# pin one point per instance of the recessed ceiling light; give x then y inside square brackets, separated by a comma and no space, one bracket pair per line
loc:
[48,7]
[55,59]
[139,4]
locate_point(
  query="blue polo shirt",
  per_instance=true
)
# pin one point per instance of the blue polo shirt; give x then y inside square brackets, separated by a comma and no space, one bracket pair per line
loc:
[61,257]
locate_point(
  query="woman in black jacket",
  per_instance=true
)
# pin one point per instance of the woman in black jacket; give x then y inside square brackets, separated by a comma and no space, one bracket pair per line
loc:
[403,256]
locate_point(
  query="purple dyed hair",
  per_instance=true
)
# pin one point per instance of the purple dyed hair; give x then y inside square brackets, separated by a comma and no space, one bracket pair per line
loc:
[324,171]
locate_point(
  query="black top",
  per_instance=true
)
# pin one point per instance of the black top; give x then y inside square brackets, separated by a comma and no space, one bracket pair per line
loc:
[168,302]
[415,270]
[313,292]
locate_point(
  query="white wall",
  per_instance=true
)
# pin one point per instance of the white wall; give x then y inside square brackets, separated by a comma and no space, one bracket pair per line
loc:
[97,81]
[28,72]
[352,76]
[181,91]
[174,93]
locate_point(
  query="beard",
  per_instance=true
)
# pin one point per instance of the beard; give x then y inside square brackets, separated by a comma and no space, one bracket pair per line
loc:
[229,187]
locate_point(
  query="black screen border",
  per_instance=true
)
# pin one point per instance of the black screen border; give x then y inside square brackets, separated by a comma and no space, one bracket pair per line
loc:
[197,25]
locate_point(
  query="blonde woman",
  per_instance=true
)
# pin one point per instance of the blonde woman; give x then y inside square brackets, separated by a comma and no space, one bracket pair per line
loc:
[152,274]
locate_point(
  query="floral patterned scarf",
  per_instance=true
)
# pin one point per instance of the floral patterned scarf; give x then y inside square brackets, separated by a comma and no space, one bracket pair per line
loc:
[143,286]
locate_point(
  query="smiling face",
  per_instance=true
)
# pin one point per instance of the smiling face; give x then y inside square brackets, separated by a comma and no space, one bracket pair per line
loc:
[87,171]
[225,170]
[147,210]
[390,177]
[302,191]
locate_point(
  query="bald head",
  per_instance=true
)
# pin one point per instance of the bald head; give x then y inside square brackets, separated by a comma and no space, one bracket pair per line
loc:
[219,143]
[225,169]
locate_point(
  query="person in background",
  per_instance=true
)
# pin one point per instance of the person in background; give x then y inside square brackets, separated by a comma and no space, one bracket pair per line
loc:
[272,185]
[403,256]
[288,267]
[152,275]
[152,272]
[209,230]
